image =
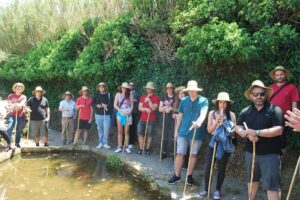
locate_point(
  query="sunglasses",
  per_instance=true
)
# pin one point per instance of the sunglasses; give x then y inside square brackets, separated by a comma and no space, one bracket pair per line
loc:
[262,94]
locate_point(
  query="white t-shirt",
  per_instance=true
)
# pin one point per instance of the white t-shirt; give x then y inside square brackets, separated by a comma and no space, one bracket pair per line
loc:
[70,105]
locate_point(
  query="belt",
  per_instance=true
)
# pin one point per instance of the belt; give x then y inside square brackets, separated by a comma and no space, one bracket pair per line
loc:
[68,117]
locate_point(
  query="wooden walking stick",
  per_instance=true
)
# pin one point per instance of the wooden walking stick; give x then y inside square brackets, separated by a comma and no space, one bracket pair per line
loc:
[15,128]
[162,135]
[145,135]
[191,148]
[28,130]
[67,130]
[212,161]
[293,180]
[252,165]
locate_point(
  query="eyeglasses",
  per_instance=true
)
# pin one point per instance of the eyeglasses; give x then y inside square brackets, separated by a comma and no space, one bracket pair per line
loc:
[262,94]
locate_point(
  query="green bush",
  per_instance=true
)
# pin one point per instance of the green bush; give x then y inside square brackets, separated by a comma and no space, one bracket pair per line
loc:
[114,162]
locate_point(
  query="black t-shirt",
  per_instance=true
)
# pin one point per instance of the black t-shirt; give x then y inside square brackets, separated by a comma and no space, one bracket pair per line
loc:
[106,98]
[38,108]
[268,117]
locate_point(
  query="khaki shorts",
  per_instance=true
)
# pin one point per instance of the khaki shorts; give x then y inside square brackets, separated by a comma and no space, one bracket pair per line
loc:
[38,128]
[184,143]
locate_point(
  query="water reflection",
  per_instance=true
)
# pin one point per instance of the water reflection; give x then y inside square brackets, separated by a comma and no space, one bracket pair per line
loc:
[62,177]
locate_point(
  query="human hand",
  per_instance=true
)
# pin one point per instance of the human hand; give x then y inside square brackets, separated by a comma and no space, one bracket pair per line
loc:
[293,119]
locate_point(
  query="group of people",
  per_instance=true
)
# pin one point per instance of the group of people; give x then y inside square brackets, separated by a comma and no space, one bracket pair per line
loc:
[184,112]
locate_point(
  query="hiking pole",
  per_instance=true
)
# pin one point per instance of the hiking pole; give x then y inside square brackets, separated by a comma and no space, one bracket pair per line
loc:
[145,135]
[162,136]
[192,144]
[252,165]
[125,132]
[212,160]
[15,128]
[293,180]
[77,134]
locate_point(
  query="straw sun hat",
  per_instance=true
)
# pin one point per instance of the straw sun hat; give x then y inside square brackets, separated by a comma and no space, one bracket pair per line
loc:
[125,85]
[18,85]
[272,73]
[192,86]
[38,88]
[169,85]
[150,85]
[180,88]
[259,84]
[83,88]
[222,96]
[68,93]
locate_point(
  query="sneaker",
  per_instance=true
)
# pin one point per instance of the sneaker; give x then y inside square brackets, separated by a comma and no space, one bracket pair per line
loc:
[18,145]
[139,152]
[130,146]
[37,144]
[128,150]
[203,194]
[46,145]
[118,150]
[217,195]
[190,180]
[163,156]
[147,152]
[106,146]
[175,179]
[99,146]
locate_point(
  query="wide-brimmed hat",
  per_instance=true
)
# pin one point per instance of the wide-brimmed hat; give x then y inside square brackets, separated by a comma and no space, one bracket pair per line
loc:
[83,88]
[222,96]
[38,88]
[131,83]
[18,85]
[125,85]
[272,73]
[169,85]
[192,86]
[258,83]
[180,88]
[68,93]
[150,85]
[102,84]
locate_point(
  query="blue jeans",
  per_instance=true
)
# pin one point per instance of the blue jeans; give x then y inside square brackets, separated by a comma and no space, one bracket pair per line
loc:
[20,126]
[103,126]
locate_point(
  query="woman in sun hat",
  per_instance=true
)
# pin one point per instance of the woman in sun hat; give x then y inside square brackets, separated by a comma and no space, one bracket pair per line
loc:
[217,118]
[123,104]
[16,103]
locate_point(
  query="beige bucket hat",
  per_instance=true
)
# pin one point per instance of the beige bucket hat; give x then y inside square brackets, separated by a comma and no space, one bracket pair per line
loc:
[272,73]
[125,85]
[169,85]
[150,85]
[192,86]
[83,88]
[68,93]
[222,96]
[180,88]
[38,88]
[18,85]
[258,83]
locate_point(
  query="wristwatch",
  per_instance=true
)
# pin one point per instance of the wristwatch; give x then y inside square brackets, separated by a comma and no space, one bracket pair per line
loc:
[257,132]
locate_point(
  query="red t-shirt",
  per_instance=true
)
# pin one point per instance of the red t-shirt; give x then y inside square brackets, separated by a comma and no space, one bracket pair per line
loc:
[155,100]
[86,110]
[17,99]
[285,97]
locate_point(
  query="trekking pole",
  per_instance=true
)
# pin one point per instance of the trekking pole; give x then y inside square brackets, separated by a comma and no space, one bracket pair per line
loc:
[293,179]
[252,165]
[175,141]
[15,128]
[77,134]
[162,136]
[28,130]
[145,135]
[125,132]
[192,144]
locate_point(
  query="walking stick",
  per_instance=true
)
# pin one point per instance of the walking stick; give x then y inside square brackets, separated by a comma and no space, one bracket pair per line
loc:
[126,130]
[145,135]
[252,165]
[162,135]
[186,177]
[293,179]
[28,130]
[67,131]
[15,128]
[175,142]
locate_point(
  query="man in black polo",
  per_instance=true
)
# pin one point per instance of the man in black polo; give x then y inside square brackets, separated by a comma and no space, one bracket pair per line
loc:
[265,126]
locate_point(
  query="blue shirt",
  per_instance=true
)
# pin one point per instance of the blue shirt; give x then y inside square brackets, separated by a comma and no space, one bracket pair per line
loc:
[191,111]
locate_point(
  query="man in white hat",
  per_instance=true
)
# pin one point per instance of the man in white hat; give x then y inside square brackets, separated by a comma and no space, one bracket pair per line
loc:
[16,103]
[285,94]
[192,113]
[68,112]
[147,106]
[264,127]
[39,116]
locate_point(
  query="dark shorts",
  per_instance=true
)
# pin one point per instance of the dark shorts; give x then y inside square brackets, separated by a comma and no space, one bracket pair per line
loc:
[84,124]
[142,126]
[266,170]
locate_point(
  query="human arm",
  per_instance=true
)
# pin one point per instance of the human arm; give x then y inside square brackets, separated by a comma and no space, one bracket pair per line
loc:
[293,119]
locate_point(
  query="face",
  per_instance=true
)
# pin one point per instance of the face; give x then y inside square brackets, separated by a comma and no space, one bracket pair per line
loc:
[181,94]
[123,89]
[102,88]
[280,76]
[193,94]
[258,96]
[85,92]
[149,91]
[18,89]
[222,105]
[131,87]
[38,93]
[67,97]
[170,90]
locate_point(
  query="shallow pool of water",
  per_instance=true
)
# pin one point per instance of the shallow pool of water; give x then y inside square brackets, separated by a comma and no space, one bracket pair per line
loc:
[63,177]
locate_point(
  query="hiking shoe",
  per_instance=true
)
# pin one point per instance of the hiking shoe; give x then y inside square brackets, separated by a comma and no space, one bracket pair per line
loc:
[139,152]
[217,195]
[18,145]
[106,146]
[128,150]
[118,150]
[190,180]
[99,146]
[37,144]
[203,194]
[147,152]
[163,156]
[46,145]
[130,146]
[175,179]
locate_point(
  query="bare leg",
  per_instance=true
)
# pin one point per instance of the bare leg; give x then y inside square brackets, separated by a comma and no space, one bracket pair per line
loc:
[77,135]
[127,138]
[273,195]
[120,133]
[45,138]
[85,136]
[193,161]
[255,186]
[36,139]
[178,164]
[149,142]
[141,141]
